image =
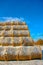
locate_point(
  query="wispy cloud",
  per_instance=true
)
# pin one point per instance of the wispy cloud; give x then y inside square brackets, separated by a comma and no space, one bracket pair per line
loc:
[11,19]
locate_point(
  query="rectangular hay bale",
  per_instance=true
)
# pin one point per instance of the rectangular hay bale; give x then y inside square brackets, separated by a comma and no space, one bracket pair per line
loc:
[25,53]
[6,41]
[17,41]
[15,22]
[36,52]
[14,27]
[24,33]
[8,33]
[12,53]
[16,33]
[8,23]
[27,41]
[22,23]
[8,27]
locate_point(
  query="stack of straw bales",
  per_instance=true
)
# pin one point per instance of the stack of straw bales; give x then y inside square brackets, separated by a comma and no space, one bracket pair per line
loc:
[16,43]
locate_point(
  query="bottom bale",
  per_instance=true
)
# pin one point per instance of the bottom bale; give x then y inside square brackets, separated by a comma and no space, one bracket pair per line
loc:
[36,52]
[2,58]
[36,57]
[24,57]
[25,53]
[10,57]
[11,53]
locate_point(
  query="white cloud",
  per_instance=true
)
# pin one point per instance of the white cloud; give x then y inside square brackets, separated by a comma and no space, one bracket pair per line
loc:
[11,19]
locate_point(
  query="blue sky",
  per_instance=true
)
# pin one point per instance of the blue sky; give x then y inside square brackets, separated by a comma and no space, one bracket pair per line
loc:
[29,10]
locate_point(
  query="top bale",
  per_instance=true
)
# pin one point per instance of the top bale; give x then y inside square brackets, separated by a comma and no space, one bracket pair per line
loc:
[18,23]
[15,23]
[22,23]
[8,23]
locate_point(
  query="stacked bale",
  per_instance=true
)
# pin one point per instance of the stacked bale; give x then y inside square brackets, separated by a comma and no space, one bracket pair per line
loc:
[8,33]
[27,41]
[8,23]
[11,53]
[25,53]
[36,52]
[30,52]
[6,41]
[8,27]
[16,43]
[21,23]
